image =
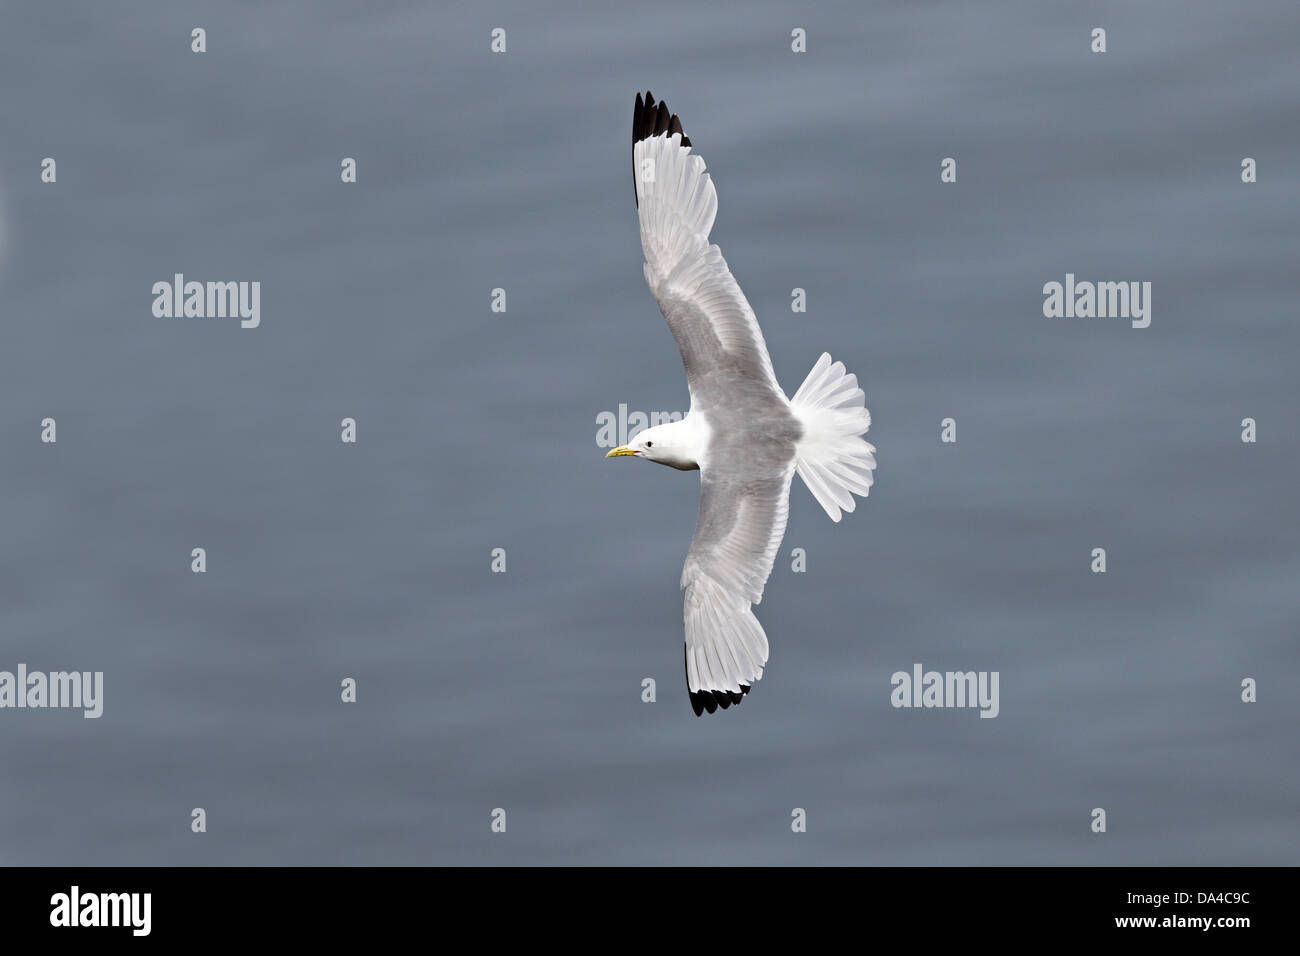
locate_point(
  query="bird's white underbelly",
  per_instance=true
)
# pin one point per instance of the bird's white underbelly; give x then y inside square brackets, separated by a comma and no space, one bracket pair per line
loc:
[696,432]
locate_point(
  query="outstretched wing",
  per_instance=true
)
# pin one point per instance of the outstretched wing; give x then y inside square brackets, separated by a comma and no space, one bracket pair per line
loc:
[715,328]
[740,527]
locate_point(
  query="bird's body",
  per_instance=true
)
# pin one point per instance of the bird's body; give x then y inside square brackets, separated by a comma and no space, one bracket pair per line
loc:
[742,433]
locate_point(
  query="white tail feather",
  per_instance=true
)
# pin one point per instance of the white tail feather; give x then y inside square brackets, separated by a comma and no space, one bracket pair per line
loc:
[831,457]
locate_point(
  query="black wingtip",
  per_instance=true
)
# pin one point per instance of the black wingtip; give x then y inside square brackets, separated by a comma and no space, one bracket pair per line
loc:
[711,700]
[653,119]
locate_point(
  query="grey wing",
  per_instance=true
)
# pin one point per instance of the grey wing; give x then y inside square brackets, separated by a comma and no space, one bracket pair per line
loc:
[716,331]
[740,526]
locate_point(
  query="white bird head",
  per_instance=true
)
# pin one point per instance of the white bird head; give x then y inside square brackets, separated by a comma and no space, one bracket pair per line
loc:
[664,444]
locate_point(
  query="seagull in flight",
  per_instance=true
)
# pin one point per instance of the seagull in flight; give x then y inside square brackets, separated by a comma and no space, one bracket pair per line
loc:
[743,435]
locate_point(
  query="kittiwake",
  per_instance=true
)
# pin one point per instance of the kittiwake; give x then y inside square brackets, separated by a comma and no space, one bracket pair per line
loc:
[742,433]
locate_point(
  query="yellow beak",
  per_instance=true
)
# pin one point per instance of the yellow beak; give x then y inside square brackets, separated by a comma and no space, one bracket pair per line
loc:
[620,451]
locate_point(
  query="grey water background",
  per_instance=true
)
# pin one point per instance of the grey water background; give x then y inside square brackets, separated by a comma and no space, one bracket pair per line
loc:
[477,431]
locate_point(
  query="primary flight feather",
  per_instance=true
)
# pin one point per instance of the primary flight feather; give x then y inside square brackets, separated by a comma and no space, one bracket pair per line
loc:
[742,433]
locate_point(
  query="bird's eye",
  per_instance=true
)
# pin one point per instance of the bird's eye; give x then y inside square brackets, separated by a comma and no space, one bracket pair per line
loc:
[649,444]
